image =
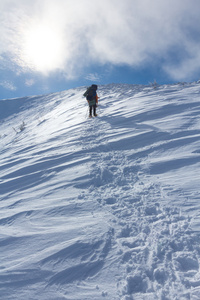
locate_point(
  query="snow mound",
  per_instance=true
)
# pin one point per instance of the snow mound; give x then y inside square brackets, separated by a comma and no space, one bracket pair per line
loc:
[102,208]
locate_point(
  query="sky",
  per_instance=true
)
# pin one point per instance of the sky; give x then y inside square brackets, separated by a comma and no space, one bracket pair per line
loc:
[53,45]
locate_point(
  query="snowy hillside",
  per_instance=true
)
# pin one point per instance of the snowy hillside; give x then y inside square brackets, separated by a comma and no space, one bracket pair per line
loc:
[102,208]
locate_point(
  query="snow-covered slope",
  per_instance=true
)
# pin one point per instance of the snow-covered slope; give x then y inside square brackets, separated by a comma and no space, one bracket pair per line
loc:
[102,208]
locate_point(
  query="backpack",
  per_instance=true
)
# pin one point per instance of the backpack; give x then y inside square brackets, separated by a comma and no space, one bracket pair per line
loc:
[90,94]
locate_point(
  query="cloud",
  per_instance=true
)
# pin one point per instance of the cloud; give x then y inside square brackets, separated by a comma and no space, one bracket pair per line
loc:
[84,32]
[93,77]
[8,85]
[29,82]
[188,65]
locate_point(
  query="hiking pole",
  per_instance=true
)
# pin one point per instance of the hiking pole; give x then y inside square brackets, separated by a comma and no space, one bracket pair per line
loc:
[87,113]
[99,109]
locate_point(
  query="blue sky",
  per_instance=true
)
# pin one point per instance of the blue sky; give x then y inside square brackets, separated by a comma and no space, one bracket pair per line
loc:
[52,45]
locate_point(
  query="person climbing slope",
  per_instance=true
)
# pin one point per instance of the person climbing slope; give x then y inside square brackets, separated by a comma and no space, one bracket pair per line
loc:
[92,99]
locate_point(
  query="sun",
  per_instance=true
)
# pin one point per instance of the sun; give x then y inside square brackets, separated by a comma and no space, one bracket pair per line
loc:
[42,49]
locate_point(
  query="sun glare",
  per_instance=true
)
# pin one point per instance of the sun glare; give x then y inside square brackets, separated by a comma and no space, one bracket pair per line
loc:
[42,48]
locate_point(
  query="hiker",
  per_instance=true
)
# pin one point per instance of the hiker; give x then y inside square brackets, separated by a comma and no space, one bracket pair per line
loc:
[92,99]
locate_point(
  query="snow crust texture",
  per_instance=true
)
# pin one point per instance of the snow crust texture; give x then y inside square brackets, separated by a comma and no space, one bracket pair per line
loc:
[101,208]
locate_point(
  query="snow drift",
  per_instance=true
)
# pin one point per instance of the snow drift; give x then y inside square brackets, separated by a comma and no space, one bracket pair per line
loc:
[106,208]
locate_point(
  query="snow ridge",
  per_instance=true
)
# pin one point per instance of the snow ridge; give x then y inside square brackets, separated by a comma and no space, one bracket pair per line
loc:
[105,208]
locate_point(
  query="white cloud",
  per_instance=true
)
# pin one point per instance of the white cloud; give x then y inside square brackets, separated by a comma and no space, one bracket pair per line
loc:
[93,77]
[102,31]
[29,82]
[188,66]
[8,85]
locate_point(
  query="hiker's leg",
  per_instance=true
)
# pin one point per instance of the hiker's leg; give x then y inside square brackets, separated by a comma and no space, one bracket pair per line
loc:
[94,110]
[90,110]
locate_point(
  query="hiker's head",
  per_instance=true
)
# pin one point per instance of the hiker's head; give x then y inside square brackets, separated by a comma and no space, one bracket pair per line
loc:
[94,86]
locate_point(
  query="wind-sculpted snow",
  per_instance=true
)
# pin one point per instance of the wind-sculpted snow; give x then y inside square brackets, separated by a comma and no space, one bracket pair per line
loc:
[106,208]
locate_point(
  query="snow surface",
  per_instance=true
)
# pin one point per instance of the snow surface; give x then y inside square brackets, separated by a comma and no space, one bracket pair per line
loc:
[102,208]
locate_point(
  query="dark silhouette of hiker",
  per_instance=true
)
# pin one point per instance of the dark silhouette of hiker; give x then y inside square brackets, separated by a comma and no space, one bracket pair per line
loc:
[92,99]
